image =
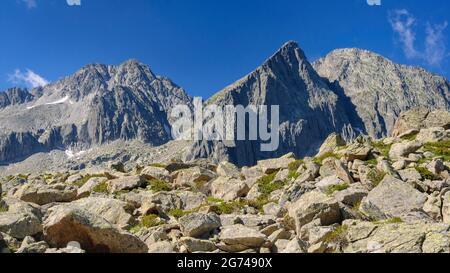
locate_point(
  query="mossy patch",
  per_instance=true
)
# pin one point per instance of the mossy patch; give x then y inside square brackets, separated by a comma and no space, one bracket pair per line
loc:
[439,149]
[426,174]
[157,185]
[338,235]
[319,160]
[101,188]
[86,178]
[375,177]
[267,185]
[336,188]
[395,220]
[382,148]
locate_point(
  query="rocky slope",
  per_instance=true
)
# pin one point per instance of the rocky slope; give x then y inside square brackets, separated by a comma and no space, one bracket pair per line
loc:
[366,196]
[95,106]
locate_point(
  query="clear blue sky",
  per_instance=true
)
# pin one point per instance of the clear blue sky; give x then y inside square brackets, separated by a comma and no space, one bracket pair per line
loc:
[204,45]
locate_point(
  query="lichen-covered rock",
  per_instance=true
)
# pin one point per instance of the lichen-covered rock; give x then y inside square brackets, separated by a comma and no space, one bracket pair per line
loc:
[125,183]
[43,194]
[314,205]
[198,224]
[394,198]
[243,236]
[228,189]
[93,232]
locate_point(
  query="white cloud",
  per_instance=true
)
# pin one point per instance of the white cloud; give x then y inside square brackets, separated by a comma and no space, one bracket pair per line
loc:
[435,47]
[374,2]
[28,78]
[30,3]
[403,23]
[74,2]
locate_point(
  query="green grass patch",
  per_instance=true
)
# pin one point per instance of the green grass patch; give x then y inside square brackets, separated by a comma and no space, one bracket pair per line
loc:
[338,235]
[101,188]
[151,220]
[293,175]
[293,166]
[320,159]
[439,149]
[157,185]
[410,137]
[372,161]
[336,188]
[382,148]
[267,185]
[395,220]
[87,177]
[426,174]
[375,177]
[178,213]
[157,165]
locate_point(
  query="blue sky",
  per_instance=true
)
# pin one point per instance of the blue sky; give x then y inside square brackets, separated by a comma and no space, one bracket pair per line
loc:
[204,45]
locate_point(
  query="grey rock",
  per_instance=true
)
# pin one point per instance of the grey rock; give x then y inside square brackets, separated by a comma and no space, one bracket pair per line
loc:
[198,224]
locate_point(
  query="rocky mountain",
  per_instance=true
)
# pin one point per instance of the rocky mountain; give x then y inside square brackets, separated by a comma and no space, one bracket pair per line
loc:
[95,106]
[365,196]
[380,89]
[309,109]
[350,92]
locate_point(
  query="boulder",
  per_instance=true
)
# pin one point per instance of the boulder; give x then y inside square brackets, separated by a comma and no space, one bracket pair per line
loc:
[273,165]
[195,177]
[446,208]
[243,236]
[404,148]
[330,144]
[355,151]
[88,187]
[228,189]
[228,169]
[314,205]
[125,183]
[421,118]
[159,173]
[42,194]
[19,225]
[199,224]
[394,198]
[196,245]
[91,231]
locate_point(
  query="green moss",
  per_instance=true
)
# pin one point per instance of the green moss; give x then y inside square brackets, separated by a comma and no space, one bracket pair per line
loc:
[259,202]
[157,165]
[372,161]
[439,149]
[426,174]
[23,176]
[157,185]
[382,148]
[396,220]
[293,175]
[338,235]
[410,137]
[87,177]
[336,188]
[293,166]
[101,188]
[3,208]
[320,159]
[375,177]
[147,221]
[211,199]
[151,220]
[178,213]
[267,185]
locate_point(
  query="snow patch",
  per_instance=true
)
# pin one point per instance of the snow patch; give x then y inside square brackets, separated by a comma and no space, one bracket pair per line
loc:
[70,154]
[60,101]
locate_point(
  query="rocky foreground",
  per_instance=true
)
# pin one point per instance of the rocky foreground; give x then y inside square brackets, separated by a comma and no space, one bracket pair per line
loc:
[367,196]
